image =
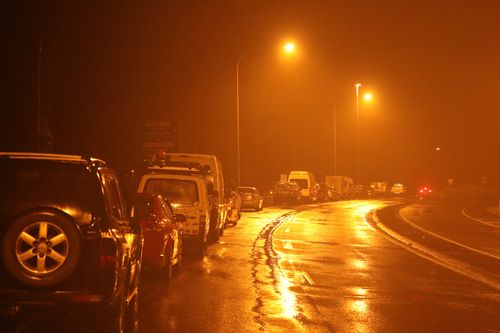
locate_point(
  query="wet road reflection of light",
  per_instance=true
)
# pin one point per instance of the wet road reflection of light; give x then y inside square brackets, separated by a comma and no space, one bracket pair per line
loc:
[359,264]
[288,299]
[361,234]
[359,306]
[359,291]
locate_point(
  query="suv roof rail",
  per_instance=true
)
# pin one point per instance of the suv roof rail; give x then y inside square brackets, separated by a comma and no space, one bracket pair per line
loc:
[97,162]
[41,156]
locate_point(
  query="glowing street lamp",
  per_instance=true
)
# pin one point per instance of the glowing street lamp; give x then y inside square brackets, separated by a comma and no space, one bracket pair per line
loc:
[289,48]
[368,97]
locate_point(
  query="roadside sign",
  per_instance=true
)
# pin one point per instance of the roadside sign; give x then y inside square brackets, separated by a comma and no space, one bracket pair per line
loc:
[154,136]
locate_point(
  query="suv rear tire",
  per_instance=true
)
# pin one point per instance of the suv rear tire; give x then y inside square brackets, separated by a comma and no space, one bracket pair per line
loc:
[41,249]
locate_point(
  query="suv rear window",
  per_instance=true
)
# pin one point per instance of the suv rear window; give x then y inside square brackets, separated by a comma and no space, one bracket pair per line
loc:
[41,182]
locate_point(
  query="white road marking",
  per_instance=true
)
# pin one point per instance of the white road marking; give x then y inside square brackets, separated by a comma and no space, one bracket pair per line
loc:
[478,220]
[307,278]
[447,239]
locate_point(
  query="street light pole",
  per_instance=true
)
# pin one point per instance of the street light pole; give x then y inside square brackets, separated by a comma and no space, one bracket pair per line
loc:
[287,48]
[335,139]
[357,133]
[238,177]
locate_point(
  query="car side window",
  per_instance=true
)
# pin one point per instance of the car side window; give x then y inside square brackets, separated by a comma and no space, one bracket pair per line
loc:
[114,200]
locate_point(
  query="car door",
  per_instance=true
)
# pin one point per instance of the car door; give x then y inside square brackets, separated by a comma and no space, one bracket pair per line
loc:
[128,236]
[172,228]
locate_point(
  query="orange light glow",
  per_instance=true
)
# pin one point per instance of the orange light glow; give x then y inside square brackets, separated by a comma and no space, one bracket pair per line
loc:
[359,306]
[368,97]
[289,47]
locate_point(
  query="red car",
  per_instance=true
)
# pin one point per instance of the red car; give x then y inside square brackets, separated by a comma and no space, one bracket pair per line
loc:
[162,234]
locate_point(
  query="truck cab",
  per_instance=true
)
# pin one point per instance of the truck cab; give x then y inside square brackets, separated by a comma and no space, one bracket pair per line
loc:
[216,190]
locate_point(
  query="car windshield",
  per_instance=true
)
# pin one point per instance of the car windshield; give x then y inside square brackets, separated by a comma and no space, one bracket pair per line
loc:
[177,192]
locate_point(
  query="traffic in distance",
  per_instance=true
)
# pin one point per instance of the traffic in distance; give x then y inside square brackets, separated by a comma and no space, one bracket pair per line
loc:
[76,245]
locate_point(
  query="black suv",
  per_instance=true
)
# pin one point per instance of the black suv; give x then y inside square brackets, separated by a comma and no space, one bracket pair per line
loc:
[66,239]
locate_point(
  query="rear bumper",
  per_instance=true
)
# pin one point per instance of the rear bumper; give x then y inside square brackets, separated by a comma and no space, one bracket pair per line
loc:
[250,203]
[153,249]
[56,299]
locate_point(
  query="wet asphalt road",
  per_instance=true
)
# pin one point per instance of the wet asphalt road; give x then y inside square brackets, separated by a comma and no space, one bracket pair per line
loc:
[322,268]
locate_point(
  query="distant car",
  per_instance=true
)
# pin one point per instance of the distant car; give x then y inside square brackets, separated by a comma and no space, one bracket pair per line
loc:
[234,212]
[286,193]
[361,191]
[250,198]
[67,242]
[162,234]
[378,189]
[424,192]
[398,189]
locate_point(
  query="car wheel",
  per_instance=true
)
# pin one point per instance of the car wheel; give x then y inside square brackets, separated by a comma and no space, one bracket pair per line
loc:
[41,249]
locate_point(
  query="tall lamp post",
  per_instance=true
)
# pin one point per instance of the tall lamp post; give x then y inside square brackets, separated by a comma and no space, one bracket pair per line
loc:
[238,119]
[335,139]
[288,48]
[367,97]
[357,132]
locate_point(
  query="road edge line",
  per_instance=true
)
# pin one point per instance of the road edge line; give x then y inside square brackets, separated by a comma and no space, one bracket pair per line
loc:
[478,220]
[444,238]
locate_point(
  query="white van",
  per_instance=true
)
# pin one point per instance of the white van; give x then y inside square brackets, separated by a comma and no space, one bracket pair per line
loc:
[306,182]
[216,192]
[189,199]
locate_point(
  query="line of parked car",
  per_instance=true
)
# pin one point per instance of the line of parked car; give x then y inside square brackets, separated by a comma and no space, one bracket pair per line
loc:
[70,240]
